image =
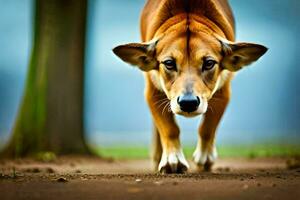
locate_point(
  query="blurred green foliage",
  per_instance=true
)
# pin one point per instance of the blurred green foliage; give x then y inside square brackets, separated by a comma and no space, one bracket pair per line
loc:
[248,151]
[46,156]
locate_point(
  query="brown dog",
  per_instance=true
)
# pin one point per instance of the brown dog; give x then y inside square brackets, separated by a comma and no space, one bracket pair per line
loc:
[189,57]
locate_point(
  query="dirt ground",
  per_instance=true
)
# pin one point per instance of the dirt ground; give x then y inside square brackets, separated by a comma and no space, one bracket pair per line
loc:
[93,178]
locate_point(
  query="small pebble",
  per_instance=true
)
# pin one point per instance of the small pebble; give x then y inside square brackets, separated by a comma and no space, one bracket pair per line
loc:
[245,186]
[138,180]
[227,169]
[62,179]
[36,170]
[33,170]
[158,182]
[50,170]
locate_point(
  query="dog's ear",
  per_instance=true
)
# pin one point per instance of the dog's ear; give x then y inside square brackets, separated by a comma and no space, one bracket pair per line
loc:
[141,55]
[238,55]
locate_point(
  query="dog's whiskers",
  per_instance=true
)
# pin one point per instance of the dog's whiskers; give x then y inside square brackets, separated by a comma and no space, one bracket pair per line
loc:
[166,107]
[161,102]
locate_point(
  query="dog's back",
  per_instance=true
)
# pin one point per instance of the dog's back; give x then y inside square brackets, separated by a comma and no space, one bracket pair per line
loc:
[157,12]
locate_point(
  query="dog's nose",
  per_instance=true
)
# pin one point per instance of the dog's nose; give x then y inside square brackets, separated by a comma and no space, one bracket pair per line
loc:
[188,102]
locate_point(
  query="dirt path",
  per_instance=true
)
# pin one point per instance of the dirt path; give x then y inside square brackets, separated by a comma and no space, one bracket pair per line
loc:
[91,178]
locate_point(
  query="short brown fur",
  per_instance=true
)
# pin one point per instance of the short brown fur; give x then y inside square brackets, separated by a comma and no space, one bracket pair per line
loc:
[188,33]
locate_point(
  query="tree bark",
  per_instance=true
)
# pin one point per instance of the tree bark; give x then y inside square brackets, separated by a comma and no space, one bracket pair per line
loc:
[50,117]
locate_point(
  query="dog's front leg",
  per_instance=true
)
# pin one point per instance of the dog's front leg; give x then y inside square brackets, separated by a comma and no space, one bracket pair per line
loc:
[206,153]
[156,148]
[172,158]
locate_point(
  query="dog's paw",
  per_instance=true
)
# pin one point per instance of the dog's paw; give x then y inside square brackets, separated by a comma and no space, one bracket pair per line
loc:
[204,159]
[173,162]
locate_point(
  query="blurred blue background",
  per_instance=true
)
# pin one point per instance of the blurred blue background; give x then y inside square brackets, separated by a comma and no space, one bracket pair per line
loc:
[265,96]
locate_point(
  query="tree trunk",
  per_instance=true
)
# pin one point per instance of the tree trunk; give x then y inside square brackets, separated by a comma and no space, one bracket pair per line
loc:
[50,117]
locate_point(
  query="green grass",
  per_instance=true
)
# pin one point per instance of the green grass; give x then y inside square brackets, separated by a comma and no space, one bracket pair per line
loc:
[250,151]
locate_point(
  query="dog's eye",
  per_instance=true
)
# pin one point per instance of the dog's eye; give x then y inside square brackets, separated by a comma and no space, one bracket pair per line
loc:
[170,64]
[208,64]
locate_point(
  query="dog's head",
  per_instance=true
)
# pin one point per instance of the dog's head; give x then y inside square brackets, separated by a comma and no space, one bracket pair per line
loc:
[189,66]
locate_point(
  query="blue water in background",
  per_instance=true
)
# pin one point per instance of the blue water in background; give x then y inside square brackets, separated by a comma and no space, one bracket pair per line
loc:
[265,96]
